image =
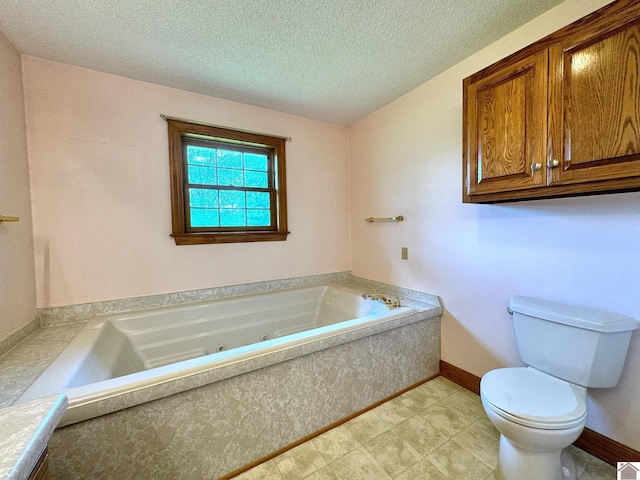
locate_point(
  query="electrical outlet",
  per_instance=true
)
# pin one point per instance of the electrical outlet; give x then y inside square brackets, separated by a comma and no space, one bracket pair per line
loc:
[405,253]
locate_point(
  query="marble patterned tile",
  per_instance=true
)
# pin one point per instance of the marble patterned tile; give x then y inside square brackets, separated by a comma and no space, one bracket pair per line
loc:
[467,404]
[418,399]
[440,387]
[394,411]
[24,363]
[598,470]
[455,462]
[323,474]
[336,443]
[17,337]
[268,469]
[580,458]
[480,444]
[24,432]
[393,453]
[485,424]
[404,293]
[367,426]
[420,434]
[359,465]
[446,420]
[300,462]
[83,312]
[53,316]
[422,470]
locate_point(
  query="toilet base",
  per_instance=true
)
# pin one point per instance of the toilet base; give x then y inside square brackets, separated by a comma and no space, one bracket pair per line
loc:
[515,463]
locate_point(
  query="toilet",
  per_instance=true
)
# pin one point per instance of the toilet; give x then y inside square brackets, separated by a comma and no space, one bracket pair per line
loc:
[540,409]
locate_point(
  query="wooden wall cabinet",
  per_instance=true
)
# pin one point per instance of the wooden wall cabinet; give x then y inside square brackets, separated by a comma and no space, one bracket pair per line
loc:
[560,117]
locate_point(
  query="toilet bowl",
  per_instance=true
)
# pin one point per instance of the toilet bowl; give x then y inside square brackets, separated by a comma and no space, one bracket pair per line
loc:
[540,409]
[537,416]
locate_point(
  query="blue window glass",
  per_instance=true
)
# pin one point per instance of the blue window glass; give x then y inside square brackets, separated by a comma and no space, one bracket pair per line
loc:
[197,155]
[230,177]
[258,218]
[202,197]
[232,199]
[256,179]
[255,161]
[233,217]
[229,159]
[228,186]
[202,175]
[204,217]
[258,200]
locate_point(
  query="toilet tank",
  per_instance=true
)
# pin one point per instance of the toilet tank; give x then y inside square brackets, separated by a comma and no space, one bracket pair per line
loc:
[580,345]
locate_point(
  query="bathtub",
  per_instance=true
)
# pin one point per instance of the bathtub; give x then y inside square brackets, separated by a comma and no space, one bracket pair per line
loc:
[213,412]
[118,361]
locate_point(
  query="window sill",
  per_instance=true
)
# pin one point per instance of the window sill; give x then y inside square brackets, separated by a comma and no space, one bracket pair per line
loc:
[233,237]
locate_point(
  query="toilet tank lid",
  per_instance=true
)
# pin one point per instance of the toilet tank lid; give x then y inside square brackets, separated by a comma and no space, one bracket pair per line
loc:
[580,317]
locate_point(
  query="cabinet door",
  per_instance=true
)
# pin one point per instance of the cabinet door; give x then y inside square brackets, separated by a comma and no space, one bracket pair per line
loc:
[505,127]
[594,123]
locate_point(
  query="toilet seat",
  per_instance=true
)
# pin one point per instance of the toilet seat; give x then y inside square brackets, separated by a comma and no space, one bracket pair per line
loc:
[534,399]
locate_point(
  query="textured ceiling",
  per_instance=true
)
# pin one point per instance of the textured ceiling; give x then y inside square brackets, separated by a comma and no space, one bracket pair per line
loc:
[331,60]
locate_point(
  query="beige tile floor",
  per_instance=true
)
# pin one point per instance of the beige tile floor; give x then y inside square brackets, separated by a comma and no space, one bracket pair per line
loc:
[435,431]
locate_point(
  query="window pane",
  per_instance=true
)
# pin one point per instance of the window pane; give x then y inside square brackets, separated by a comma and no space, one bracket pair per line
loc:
[258,200]
[255,161]
[258,218]
[201,197]
[232,199]
[229,159]
[256,179]
[230,177]
[201,155]
[204,217]
[201,175]
[232,217]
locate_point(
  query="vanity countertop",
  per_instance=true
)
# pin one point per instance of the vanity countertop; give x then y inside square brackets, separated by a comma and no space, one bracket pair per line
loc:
[25,429]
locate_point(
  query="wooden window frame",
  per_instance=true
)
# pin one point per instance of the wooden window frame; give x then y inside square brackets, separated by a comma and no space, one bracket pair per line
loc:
[181,131]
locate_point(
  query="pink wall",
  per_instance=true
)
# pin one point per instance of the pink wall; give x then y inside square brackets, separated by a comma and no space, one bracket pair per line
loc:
[406,159]
[100,188]
[17,277]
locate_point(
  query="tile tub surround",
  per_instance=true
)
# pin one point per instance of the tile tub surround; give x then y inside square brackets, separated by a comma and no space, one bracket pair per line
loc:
[24,432]
[47,317]
[84,312]
[215,429]
[89,401]
[18,336]
[24,363]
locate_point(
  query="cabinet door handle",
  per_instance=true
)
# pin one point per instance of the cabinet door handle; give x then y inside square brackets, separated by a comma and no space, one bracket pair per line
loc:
[536,166]
[553,163]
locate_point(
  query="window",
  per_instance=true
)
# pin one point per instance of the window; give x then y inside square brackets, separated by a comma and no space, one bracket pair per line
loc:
[226,185]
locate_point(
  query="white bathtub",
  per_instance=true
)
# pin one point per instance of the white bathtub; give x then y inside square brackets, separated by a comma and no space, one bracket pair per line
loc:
[118,361]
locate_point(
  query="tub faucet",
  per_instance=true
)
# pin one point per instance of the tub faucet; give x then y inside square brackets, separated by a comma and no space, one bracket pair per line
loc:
[389,302]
